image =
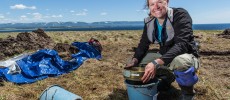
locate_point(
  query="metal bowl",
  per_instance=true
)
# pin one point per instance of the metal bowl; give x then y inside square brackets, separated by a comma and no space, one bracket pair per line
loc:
[134,73]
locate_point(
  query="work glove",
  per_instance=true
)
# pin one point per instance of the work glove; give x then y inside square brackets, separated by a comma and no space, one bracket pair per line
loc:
[131,63]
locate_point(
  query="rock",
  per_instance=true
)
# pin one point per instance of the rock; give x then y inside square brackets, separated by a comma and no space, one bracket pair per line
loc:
[226,32]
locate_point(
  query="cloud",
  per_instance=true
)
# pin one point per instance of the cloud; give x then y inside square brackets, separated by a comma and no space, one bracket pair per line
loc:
[103,14]
[40,17]
[21,6]
[4,20]
[82,13]
[57,16]
[85,10]
[72,11]
[2,17]
[23,17]
[37,16]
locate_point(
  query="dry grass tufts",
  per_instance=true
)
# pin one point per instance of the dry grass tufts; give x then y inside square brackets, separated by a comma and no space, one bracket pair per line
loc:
[103,80]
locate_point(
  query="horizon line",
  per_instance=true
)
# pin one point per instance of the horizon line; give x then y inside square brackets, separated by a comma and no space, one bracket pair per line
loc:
[93,22]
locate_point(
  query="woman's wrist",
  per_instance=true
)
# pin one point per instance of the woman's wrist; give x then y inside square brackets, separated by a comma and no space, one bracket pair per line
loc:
[159,61]
[156,65]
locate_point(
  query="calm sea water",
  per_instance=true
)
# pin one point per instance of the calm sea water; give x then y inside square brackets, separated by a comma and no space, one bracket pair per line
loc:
[210,26]
[195,27]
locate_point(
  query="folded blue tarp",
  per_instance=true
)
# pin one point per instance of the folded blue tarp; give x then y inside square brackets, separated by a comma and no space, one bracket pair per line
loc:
[47,63]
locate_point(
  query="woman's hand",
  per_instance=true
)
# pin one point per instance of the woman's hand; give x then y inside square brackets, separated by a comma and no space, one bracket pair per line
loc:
[150,71]
[131,63]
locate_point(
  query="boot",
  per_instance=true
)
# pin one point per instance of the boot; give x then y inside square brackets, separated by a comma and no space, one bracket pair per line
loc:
[187,93]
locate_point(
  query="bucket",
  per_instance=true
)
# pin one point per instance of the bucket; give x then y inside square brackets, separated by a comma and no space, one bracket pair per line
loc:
[56,92]
[142,92]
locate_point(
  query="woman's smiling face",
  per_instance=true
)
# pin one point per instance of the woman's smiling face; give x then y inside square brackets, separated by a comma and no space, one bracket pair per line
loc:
[158,8]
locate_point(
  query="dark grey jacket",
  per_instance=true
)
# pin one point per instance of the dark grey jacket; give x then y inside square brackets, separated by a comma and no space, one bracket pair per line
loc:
[177,36]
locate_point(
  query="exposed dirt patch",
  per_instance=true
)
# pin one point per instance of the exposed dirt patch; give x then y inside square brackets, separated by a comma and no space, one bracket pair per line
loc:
[209,53]
[33,41]
[65,50]
[25,42]
[225,34]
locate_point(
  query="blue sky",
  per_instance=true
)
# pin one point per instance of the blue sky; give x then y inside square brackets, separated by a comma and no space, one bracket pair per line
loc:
[26,11]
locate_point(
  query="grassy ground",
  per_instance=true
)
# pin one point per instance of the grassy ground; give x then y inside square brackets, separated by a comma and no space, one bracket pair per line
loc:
[103,80]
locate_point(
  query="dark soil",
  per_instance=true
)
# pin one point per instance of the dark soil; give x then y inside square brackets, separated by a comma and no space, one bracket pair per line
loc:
[36,40]
[225,34]
[65,50]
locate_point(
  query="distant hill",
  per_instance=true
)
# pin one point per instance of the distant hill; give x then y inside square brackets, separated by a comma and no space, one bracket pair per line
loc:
[71,24]
[83,26]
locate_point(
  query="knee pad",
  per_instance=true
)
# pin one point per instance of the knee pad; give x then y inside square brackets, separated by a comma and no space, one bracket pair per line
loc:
[186,78]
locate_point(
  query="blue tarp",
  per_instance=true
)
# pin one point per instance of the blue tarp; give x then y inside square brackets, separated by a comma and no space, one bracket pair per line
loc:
[47,63]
